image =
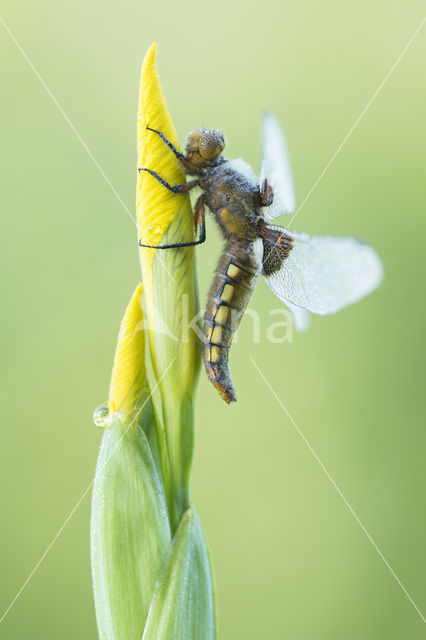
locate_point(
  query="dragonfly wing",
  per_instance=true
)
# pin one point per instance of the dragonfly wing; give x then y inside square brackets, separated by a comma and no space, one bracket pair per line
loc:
[275,168]
[321,274]
[301,317]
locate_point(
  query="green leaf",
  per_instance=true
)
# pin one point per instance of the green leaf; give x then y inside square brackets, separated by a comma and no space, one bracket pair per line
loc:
[130,532]
[183,604]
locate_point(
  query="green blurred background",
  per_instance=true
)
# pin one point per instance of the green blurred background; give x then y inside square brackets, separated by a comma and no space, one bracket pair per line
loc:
[290,559]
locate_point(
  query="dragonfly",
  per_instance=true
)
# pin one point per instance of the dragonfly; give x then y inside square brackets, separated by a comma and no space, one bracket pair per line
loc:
[308,273]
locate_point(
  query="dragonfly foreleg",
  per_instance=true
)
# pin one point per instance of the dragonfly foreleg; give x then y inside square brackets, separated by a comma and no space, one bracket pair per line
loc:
[177,153]
[177,188]
[188,167]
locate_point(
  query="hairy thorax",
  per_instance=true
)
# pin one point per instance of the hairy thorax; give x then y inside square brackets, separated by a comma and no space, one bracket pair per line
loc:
[232,194]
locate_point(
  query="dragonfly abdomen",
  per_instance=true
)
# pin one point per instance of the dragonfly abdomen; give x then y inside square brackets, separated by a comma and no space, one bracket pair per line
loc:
[229,295]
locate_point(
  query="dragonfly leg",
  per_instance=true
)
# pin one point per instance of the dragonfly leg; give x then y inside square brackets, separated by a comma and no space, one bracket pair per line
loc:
[177,153]
[177,188]
[186,164]
[266,194]
[200,221]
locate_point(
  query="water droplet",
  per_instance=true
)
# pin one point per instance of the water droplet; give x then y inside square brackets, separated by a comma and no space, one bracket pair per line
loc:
[102,416]
[154,229]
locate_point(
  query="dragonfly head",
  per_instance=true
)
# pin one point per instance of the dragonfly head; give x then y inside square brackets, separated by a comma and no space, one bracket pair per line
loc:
[203,146]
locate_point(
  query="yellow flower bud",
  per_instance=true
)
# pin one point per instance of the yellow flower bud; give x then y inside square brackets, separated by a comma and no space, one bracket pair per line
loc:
[128,372]
[155,205]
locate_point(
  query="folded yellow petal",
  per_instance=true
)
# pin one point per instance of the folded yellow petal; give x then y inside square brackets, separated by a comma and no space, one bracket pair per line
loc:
[128,372]
[155,205]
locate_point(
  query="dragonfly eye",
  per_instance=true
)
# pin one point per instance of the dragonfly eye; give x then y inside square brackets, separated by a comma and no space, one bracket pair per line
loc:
[211,144]
[193,141]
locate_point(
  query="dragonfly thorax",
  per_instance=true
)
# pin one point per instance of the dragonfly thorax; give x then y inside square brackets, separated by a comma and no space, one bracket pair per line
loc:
[231,192]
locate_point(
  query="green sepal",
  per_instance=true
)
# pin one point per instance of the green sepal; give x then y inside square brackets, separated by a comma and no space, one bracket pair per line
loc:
[183,604]
[130,532]
[175,352]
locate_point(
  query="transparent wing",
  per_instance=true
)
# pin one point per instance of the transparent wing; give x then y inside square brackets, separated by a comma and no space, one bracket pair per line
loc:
[322,274]
[301,317]
[276,168]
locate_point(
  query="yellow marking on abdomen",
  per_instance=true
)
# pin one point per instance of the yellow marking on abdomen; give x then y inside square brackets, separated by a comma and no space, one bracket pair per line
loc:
[216,337]
[233,271]
[227,293]
[214,353]
[221,314]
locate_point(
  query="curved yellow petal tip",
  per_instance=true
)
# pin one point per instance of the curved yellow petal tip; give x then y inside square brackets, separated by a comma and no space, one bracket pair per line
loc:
[155,205]
[128,371]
